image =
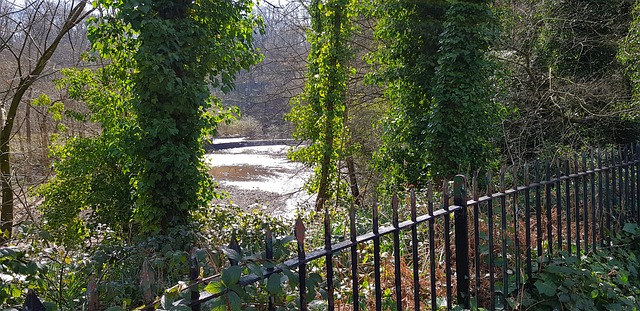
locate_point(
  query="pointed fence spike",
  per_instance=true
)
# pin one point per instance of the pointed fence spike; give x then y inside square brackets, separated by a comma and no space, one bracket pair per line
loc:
[489,183]
[502,183]
[300,230]
[445,194]
[474,185]
[395,206]
[412,203]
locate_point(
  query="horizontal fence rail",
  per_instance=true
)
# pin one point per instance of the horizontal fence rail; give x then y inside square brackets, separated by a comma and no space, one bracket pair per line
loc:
[481,246]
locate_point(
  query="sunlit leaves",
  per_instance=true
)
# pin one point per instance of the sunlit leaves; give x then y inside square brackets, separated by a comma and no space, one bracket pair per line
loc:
[320,111]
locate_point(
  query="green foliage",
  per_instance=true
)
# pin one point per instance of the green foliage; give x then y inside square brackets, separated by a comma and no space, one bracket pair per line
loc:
[92,182]
[629,54]
[18,273]
[606,280]
[407,60]
[180,49]
[319,113]
[143,173]
[438,75]
[461,125]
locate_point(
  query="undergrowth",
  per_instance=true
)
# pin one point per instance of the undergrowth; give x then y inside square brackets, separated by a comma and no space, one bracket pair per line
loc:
[605,280]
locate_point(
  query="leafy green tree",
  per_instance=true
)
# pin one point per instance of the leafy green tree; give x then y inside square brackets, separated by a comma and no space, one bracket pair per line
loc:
[143,173]
[319,113]
[463,115]
[184,47]
[434,62]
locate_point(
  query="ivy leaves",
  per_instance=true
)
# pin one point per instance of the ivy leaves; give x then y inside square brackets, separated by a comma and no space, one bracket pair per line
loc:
[182,48]
[319,113]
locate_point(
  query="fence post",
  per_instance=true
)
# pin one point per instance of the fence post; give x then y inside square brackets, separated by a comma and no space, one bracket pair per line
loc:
[194,272]
[462,241]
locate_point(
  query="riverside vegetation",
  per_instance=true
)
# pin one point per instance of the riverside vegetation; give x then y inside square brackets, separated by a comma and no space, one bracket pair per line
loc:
[386,96]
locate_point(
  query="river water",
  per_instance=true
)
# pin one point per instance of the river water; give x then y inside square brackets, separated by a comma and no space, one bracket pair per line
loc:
[260,178]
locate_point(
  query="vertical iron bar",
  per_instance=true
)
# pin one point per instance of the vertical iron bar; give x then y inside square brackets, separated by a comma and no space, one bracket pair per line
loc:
[614,189]
[269,257]
[354,257]
[559,206]
[612,195]
[376,257]
[328,259]
[476,235]
[516,212]
[567,193]
[447,242]
[636,165]
[527,220]
[432,251]
[396,252]
[416,259]
[576,193]
[548,200]
[194,272]
[626,187]
[621,191]
[462,241]
[632,183]
[585,203]
[492,304]
[538,210]
[302,269]
[603,200]
[503,236]
[593,201]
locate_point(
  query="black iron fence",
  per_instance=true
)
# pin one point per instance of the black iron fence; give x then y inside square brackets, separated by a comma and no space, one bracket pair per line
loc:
[474,247]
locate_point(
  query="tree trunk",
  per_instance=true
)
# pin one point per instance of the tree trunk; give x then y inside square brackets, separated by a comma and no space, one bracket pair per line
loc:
[76,15]
[332,101]
[353,181]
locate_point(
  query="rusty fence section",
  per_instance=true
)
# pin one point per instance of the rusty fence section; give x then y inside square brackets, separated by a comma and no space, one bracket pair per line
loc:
[470,246]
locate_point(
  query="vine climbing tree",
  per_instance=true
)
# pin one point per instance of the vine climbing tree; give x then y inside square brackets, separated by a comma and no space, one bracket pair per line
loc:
[436,69]
[185,46]
[319,112]
[166,56]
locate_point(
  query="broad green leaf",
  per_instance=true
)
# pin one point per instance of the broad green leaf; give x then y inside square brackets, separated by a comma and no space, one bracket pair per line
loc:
[231,275]
[219,304]
[234,301]
[630,228]
[215,287]
[273,284]
[546,287]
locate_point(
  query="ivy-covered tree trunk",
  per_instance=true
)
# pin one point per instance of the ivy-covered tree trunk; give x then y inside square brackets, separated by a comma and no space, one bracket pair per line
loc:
[463,115]
[407,64]
[319,113]
[185,46]
[437,76]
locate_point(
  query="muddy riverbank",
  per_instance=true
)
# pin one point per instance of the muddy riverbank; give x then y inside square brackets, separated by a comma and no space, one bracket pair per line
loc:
[260,177]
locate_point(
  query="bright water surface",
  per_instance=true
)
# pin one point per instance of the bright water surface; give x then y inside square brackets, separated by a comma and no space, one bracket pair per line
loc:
[261,177]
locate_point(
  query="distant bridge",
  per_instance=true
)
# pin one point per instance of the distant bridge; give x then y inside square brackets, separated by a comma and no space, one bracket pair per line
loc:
[210,147]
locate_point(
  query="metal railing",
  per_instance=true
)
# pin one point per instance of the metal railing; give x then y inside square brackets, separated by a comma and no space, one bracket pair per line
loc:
[501,237]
